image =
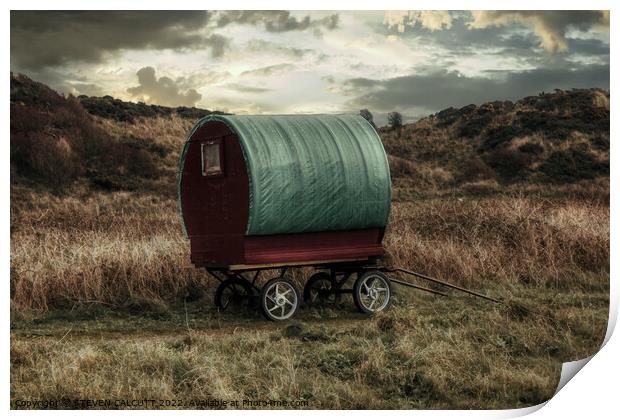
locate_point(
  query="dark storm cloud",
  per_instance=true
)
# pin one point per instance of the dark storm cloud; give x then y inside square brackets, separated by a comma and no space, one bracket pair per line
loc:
[550,26]
[469,30]
[50,38]
[275,20]
[506,37]
[458,38]
[217,43]
[588,46]
[162,91]
[441,89]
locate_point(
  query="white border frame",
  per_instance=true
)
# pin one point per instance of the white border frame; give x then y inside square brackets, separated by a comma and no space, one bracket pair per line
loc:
[593,393]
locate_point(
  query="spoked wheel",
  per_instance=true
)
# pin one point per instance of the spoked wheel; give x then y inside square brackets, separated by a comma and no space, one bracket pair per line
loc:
[321,290]
[372,292]
[233,295]
[279,299]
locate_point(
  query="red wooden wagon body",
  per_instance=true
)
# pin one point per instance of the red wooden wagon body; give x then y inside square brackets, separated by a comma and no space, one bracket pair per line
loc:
[215,204]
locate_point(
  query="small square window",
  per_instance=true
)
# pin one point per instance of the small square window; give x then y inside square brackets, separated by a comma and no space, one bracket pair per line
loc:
[211,164]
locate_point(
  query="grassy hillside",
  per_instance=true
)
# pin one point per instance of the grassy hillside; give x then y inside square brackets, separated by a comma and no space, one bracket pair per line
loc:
[509,199]
[553,138]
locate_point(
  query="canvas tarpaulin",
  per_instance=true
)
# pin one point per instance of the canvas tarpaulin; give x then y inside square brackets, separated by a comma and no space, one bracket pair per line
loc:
[312,173]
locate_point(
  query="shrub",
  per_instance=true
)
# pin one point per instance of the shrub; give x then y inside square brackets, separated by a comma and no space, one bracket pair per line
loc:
[572,165]
[395,119]
[402,167]
[26,119]
[447,117]
[367,115]
[440,176]
[508,164]
[475,125]
[474,169]
[45,158]
[601,142]
[531,149]
[496,136]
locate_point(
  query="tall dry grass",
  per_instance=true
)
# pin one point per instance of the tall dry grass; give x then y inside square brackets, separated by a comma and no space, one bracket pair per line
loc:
[169,133]
[497,240]
[115,247]
[107,248]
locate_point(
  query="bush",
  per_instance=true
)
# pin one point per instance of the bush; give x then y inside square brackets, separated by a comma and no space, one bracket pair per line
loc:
[475,169]
[508,164]
[45,158]
[447,117]
[367,115]
[402,168]
[474,126]
[531,149]
[497,136]
[395,120]
[601,142]
[572,165]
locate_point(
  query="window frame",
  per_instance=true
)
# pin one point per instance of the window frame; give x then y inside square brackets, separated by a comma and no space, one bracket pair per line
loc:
[220,171]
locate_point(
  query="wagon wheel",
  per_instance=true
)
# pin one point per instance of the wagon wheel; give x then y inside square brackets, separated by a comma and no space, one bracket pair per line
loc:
[321,290]
[233,294]
[372,292]
[279,299]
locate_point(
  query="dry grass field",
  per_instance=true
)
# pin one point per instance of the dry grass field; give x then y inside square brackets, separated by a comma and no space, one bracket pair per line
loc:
[105,305]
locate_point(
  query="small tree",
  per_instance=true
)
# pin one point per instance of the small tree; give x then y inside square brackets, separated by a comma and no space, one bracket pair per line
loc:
[366,114]
[395,120]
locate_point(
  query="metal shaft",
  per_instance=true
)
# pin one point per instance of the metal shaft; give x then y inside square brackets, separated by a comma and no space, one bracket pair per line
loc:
[462,289]
[415,286]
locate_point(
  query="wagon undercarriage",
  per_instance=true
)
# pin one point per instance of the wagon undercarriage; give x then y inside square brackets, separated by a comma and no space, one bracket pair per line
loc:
[279,298]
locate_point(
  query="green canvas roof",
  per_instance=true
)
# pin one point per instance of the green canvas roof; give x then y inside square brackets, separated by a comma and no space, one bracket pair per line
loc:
[311,173]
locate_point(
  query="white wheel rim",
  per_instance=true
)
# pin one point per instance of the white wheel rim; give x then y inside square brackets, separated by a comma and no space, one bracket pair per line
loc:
[280,300]
[374,293]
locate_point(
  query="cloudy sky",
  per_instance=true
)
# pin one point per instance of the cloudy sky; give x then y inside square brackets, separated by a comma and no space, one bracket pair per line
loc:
[415,62]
